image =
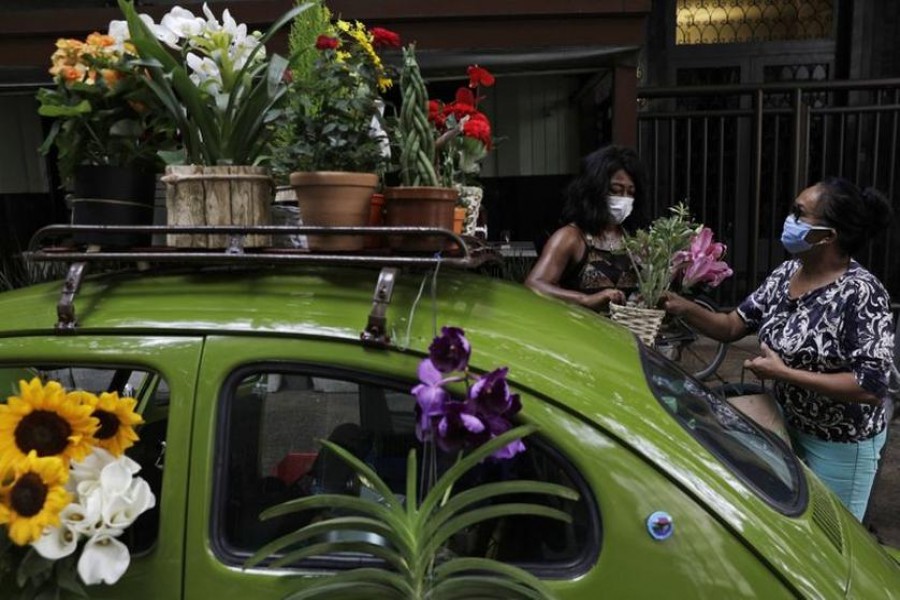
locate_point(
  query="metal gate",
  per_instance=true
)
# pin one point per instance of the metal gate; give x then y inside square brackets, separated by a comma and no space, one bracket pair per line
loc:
[738,154]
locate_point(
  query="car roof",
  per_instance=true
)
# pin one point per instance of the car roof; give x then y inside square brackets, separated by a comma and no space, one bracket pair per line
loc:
[551,347]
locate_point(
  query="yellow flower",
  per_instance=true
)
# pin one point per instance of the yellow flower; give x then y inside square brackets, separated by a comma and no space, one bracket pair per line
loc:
[35,497]
[43,420]
[117,420]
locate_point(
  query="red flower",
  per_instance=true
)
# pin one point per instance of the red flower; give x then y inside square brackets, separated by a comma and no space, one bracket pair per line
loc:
[479,76]
[436,115]
[465,96]
[324,42]
[458,110]
[384,38]
[477,126]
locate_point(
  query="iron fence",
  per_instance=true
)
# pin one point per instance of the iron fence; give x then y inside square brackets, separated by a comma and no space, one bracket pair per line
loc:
[739,154]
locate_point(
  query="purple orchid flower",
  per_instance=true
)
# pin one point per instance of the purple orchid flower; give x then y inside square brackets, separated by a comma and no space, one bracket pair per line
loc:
[460,429]
[450,351]
[490,395]
[430,397]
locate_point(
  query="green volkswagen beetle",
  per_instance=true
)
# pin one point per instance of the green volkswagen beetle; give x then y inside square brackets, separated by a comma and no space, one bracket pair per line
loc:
[241,370]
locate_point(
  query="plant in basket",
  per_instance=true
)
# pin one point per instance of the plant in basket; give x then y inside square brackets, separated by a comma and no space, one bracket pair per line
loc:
[333,145]
[673,249]
[413,532]
[221,90]
[67,490]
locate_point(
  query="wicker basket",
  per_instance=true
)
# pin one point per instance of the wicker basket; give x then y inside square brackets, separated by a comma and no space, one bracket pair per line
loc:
[643,322]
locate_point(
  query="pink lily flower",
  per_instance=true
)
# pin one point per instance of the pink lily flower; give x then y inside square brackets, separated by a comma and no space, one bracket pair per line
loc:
[701,262]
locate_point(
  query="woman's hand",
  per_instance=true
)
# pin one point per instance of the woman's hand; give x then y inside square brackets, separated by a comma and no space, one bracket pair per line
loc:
[674,304]
[602,299]
[768,365]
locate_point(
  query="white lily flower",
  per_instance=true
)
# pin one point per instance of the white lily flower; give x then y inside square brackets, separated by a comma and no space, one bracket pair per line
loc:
[103,559]
[180,22]
[56,542]
[121,511]
[205,73]
[212,23]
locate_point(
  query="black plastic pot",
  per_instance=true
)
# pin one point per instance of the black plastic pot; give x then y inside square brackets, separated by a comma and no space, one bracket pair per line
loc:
[111,212]
[115,183]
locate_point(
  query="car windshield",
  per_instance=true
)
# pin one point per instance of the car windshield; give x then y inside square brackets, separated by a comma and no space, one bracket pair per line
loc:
[765,463]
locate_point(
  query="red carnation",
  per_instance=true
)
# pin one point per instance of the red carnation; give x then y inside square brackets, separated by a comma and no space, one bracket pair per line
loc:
[465,96]
[459,110]
[385,38]
[325,42]
[435,115]
[479,76]
[477,126]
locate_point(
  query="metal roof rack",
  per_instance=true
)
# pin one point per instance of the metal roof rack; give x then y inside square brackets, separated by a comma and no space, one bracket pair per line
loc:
[458,252]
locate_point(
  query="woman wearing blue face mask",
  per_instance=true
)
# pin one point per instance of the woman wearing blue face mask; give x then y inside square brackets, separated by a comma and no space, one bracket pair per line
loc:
[579,263]
[826,338]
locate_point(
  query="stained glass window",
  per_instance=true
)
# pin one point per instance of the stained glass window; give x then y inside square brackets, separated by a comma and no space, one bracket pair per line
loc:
[731,21]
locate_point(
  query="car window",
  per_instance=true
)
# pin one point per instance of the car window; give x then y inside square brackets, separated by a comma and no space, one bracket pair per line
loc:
[152,395]
[272,424]
[765,463]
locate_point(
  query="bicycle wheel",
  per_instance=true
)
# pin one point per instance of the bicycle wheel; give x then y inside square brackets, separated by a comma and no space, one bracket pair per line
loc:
[696,353]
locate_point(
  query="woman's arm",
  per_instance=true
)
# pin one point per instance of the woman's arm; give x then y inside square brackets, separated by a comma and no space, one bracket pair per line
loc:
[566,247]
[724,327]
[840,386]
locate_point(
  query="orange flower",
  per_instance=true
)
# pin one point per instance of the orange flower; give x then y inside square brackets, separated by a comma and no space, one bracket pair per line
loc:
[111,77]
[99,39]
[71,74]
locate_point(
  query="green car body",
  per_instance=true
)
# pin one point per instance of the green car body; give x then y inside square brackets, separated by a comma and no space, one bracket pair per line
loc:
[583,380]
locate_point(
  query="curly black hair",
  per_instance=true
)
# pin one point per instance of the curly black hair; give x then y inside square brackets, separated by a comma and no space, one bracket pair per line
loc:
[585,203]
[856,214]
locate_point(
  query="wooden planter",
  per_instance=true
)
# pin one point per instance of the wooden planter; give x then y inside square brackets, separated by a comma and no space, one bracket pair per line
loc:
[217,195]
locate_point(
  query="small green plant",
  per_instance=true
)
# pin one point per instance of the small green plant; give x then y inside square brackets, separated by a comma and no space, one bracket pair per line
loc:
[653,250]
[328,123]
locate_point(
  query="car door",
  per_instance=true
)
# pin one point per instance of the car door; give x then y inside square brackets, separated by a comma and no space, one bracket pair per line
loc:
[262,407]
[160,372]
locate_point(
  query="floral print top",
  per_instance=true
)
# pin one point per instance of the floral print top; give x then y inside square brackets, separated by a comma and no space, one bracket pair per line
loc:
[843,326]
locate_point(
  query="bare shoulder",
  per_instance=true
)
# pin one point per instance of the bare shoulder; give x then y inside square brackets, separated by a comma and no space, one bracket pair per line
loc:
[567,239]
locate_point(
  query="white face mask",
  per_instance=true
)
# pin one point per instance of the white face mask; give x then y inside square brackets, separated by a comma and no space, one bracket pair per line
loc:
[619,207]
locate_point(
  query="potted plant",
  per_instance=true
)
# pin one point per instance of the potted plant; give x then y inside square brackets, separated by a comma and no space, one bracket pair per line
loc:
[673,249]
[464,140]
[336,150]
[221,90]
[422,199]
[411,533]
[68,490]
[107,131]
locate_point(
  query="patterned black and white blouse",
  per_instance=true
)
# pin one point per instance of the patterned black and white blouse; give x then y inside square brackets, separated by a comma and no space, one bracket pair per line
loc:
[843,326]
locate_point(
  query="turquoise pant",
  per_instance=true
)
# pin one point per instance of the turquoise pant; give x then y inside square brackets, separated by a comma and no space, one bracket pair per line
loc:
[848,469]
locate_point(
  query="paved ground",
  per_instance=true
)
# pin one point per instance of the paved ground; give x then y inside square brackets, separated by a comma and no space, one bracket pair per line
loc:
[882,516]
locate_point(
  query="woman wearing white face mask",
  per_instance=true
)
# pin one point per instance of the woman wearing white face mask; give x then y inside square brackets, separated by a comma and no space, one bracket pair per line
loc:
[826,337]
[579,263]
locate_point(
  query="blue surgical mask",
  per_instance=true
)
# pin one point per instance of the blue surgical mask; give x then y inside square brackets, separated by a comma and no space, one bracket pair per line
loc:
[793,236]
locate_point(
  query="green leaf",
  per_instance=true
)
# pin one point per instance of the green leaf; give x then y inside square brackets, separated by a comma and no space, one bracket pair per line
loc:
[33,567]
[67,111]
[448,479]
[451,568]
[362,584]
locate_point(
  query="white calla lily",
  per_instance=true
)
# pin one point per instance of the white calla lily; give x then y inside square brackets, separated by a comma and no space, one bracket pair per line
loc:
[121,511]
[56,542]
[104,559]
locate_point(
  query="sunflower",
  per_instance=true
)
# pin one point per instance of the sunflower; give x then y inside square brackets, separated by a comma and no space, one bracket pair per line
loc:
[41,418]
[117,420]
[35,497]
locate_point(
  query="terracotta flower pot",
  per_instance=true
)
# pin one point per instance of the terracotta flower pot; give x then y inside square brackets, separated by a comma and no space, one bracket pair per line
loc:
[459,219]
[419,207]
[335,199]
